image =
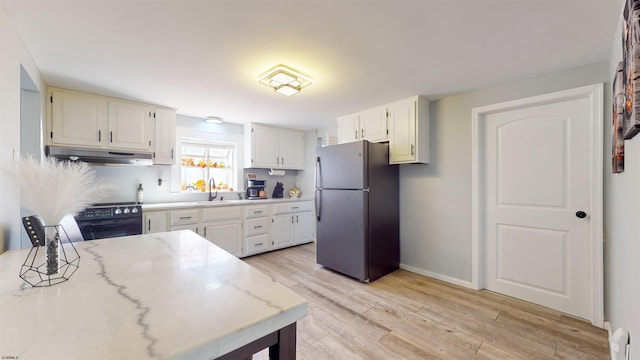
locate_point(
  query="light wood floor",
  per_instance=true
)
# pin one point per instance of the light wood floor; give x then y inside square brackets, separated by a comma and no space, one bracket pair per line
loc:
[408,316]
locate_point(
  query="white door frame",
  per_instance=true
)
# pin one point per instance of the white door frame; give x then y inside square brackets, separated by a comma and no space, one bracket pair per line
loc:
[594,93]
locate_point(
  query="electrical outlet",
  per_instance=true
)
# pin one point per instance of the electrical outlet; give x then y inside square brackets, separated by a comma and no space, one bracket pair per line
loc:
[160,185]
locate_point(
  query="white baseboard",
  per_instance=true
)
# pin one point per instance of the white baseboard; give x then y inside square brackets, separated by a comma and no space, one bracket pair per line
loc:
[607,326]
[445,278]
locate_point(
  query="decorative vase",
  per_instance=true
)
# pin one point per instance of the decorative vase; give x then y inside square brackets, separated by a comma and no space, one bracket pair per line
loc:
[52,262]
[52,244]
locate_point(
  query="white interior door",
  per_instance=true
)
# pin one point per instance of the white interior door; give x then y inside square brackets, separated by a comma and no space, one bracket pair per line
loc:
[536,162]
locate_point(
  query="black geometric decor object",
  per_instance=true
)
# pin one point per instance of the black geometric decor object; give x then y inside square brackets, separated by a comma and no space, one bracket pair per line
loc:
[52,259]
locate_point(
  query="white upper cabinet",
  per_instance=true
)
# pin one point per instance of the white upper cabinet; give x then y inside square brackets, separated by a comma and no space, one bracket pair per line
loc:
[269,147]
[77,119]
[409,131]
[92,121]
[373,124]
[264,147]
[130,125]
[165,136]
[349,128]
[370,124]
[404,124]
[291,149]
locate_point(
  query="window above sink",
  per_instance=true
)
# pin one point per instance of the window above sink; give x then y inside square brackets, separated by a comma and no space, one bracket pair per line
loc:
[202,160]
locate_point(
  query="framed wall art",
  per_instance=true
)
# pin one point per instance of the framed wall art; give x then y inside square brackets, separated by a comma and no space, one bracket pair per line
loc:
[631,68]
[617,141]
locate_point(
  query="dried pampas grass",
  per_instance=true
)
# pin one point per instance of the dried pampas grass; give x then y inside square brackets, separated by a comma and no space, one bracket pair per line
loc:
[52,189]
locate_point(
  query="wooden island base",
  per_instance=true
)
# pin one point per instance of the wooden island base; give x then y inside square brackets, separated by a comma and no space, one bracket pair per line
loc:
[281,344]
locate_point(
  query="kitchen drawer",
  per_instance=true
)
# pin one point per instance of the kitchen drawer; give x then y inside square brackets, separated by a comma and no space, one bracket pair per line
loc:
[179,217]
[256,226]
[221,213]
[257,244]
[290,207]
[193,227]
[251,211]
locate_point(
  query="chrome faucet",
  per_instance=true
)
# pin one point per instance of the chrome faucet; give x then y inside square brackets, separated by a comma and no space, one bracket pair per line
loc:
[212,183]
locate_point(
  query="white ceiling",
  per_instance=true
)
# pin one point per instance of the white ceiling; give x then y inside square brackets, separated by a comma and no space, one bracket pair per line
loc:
[204,57]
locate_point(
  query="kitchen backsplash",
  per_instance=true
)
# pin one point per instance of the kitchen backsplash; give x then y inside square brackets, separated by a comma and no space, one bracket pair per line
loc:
[126,180]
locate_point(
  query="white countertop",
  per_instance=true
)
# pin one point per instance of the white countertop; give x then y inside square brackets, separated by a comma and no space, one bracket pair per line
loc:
[191,204]
[164,295]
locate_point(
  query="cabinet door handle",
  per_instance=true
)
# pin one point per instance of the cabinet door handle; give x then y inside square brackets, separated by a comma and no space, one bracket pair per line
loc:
[185,217]
[149,225]
[99,135]
[172,153]
[258,227]
[205,231]
[197,231]
[257,212]
[297,219]
[294,207]
[362,133]
[292,219]
[356,134]
[258,244]
[413,151]
[283,160]
[110,136]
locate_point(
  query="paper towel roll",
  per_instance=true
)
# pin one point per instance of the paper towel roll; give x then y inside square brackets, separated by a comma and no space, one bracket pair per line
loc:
[274,172]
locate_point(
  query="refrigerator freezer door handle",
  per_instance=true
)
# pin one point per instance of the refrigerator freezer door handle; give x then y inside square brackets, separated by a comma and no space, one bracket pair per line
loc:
[318,172]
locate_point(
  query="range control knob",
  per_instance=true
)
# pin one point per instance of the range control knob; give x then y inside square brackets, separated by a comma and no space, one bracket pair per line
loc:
[118,211]
[126,210]
[134,210]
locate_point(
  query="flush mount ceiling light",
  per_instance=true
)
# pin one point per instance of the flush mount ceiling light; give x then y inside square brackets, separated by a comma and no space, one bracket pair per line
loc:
[284,80]
[213,119]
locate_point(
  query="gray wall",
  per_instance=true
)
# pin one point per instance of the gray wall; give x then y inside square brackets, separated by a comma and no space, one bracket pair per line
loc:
[435,227]
[622,215]
[13,57]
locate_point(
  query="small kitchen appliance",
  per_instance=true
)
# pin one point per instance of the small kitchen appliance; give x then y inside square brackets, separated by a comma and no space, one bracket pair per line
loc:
[255,189]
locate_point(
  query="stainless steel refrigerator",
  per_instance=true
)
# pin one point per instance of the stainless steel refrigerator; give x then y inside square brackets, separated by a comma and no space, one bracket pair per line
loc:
[357,208]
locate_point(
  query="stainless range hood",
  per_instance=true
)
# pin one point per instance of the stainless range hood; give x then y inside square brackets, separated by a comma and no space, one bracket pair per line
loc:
[99,156]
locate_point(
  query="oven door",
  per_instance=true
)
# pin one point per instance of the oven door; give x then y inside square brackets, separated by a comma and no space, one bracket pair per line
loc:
[103,229]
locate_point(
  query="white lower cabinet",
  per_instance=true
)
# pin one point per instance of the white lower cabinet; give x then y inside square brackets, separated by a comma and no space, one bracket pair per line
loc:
[257,221]
[193,227]
[304,227]
[257,244]
[242,230]
[154,221]
[187,219]
[184,217]
[223,227]
[292,224]
[282,230]
[227,234]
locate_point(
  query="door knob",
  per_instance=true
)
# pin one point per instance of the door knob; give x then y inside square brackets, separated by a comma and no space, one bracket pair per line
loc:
[581,214]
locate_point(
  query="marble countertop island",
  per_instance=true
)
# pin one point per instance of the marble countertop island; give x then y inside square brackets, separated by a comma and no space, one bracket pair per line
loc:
[170,295]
